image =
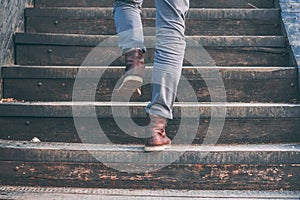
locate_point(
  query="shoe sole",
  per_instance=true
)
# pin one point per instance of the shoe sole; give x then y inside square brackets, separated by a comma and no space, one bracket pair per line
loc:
[130,84]
[156,148]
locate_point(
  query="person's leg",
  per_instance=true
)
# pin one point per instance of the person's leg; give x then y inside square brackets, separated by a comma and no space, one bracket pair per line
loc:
[169,55]
[127,16]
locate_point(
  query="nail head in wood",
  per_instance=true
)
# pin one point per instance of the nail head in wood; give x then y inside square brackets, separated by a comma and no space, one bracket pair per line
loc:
[292,84]
[16,168]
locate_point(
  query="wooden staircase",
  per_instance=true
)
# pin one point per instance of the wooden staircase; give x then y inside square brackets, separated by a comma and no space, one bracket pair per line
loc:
[257,155]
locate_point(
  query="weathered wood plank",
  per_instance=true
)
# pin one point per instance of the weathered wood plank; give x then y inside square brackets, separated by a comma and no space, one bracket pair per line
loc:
[49,49]
[136,109]
[236,90]
[199,14]
[193,27]
[199,21]
[195,177]
[220,56]
[110,41]
[241,84]
[235,131]
[135,155]
[150,3]
[9,192]
[190,73]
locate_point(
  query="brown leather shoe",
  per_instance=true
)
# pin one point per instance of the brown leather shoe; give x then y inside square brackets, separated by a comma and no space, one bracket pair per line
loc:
[158,140]
[134,72]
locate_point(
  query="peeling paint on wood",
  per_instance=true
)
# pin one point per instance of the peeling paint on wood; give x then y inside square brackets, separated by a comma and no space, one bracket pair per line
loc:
[201,177]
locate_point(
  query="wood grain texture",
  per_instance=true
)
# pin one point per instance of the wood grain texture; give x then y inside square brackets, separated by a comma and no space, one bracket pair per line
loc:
[150,3]
[199,21]
[187,110]
[194,27]
[242,84]
[236,90]
[220,56]
[235,131]
[201,177]
[134,154]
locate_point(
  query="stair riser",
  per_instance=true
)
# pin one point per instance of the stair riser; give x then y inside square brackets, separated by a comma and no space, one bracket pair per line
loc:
[222,56]
[100,26]
[236,90]
[199,21]
[150,3]
[241,84]
[235,131]
[195,177]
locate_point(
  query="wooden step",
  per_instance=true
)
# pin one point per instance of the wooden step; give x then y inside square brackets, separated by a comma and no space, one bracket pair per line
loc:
[252,123]
[100,21]
[242,84]
[244,167]
[57,49]
[150,3]
[186,177]
[45,193]
[134,154]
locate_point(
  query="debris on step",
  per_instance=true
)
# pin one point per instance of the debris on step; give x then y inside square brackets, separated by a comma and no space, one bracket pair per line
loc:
[253,6]
[8,100]
[35,140]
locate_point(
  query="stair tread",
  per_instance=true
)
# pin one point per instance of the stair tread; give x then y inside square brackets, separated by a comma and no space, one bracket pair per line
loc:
[16,192]
[103,109]
[122,154]
[227,72]
[112,41]
[16,144]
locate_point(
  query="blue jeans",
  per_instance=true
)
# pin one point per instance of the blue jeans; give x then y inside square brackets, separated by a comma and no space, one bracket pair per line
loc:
[169,48]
